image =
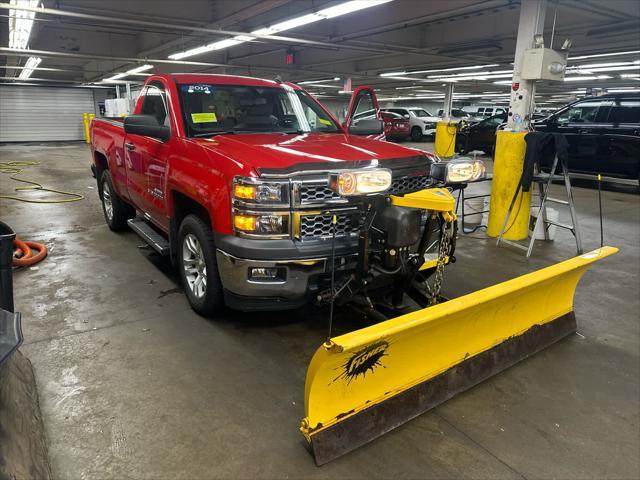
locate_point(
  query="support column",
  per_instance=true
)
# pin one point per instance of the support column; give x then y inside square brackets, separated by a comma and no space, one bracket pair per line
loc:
[445,130]
[510,144]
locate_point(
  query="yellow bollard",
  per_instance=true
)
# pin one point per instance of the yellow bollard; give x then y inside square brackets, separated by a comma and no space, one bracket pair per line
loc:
[445,139]
[507,170]
[85,121]
[91,117]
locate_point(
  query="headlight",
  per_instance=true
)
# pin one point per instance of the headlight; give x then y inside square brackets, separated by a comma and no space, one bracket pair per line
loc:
[261,224]
[360,182]
[252,190]
[458,171]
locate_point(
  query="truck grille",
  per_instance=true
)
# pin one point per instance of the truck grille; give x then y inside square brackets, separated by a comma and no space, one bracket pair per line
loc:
[320,226]
[316,193]
[409,184]
[320,193]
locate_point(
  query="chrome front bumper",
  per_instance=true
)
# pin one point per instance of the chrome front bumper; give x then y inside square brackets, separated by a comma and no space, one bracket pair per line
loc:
[234,274]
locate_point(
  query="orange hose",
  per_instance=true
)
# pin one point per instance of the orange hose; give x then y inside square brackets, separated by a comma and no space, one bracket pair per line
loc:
[23,253]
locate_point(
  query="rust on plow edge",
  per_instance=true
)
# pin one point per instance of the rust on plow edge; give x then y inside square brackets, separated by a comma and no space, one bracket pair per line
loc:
[373,422]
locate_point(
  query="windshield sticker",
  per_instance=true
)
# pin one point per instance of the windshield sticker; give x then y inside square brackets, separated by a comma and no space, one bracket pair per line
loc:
[199,88]
[203,117]
[324,122]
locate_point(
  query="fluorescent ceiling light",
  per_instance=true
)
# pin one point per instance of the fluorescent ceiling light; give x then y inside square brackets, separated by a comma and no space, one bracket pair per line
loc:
[29,67]
[20,23]
[311,82]
[142,68]
[404,72]
[453,69]
[117,76]
[583,57]
[578,79]
[610,64]
[324,14]
[322,85]
[622,90]
[503,82]
[472,74]
[133,71]
[582,70]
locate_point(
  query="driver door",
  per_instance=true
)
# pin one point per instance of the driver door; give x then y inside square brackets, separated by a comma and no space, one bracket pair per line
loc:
[146,159]
[363,106]
[579,125]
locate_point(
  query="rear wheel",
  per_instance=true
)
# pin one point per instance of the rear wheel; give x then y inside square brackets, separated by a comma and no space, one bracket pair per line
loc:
[116,211]
[416,134]
[198,266]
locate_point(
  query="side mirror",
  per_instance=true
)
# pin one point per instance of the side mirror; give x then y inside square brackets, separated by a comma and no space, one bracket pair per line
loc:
[146,125]
[406,115]
[367,126]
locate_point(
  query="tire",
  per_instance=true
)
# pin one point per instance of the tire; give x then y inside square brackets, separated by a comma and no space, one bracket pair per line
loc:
[416,134]
[115,210]
[196,254]
[488,150]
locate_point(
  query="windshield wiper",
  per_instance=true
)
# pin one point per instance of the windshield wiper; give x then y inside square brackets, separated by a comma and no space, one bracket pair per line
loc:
[294,132]
[212,134]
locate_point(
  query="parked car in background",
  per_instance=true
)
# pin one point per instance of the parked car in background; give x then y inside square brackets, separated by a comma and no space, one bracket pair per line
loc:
[485,112]
[603,134]
[458,115]
[422,123]
[396,127]
[480,135]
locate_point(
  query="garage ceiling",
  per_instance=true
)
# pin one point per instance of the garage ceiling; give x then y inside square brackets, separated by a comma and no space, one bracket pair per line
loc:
[81,41]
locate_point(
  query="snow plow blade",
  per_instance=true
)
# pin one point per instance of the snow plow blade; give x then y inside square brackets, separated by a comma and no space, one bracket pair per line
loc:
[365,383]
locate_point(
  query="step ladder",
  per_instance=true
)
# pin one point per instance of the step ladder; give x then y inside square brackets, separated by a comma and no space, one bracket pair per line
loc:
[544,181]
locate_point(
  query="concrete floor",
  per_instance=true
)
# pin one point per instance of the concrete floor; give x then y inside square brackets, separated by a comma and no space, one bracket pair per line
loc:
[133,384]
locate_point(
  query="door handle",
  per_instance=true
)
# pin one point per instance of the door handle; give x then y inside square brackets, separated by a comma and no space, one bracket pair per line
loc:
[585,132]
[130,146]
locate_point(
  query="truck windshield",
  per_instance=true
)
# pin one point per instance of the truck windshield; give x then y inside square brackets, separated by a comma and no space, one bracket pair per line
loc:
[213,109]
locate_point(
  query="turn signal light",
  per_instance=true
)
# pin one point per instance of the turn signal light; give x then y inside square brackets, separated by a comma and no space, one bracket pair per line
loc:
[245,192]
[246,223]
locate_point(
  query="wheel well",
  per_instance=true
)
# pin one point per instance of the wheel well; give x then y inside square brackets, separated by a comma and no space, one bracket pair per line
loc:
[183,206]
[101,164]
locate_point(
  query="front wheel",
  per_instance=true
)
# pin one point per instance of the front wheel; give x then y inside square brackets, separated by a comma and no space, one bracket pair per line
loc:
[416,134]
[198,266]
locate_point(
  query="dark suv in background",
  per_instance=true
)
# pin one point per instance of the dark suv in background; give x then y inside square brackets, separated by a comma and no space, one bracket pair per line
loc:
[603,134]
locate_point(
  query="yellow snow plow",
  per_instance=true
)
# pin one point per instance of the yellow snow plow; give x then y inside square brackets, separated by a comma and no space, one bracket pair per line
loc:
[416,355]
[365,383]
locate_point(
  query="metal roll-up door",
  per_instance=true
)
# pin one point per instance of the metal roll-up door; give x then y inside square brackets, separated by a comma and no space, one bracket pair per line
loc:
[37,114]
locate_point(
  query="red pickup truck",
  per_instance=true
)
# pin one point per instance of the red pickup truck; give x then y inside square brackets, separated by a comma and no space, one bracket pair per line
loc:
[231,177]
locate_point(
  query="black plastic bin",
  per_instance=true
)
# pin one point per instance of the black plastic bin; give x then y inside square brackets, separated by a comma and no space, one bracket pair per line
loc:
[10,328]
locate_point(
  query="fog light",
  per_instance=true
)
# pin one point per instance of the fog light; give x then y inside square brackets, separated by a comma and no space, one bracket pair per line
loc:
[267,274]
[246,223]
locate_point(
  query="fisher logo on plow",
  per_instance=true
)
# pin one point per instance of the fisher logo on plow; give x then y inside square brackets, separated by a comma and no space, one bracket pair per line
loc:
[369,358]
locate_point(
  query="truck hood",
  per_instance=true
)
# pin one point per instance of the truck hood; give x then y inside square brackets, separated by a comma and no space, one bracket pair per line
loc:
[284,151]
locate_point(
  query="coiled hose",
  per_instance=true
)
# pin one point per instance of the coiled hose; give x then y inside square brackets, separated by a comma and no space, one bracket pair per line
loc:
[23,253]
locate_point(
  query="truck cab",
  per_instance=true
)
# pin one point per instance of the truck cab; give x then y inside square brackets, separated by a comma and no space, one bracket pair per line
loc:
[231,177]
